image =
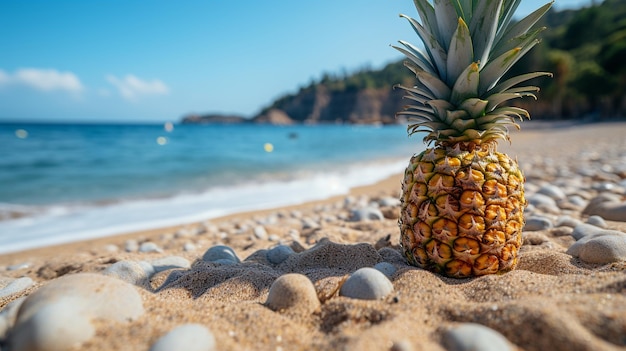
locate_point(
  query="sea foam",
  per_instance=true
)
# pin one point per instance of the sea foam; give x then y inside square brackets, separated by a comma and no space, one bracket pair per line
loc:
[62,224]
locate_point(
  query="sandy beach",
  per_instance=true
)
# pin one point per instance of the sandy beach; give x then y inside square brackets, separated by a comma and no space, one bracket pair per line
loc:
[219,276]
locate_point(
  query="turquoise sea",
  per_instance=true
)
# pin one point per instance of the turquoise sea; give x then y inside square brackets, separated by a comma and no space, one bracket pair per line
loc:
[67,182]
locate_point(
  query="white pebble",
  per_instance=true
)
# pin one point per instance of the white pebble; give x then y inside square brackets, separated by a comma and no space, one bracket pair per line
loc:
[188,337]
[366,284]
[15,286]
[470,336]
[58,315]
[149,247]
[292,292]
[170,262]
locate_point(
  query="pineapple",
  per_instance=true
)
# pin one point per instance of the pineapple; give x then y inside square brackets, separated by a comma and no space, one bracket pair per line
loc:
[463,201]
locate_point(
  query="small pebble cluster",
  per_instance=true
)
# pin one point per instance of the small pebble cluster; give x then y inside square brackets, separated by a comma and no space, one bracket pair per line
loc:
[573,205]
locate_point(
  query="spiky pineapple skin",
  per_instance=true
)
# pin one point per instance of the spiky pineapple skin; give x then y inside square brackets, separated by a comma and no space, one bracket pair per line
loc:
[462,211]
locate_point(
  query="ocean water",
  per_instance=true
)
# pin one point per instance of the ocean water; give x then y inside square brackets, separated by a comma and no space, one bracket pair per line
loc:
[62,182]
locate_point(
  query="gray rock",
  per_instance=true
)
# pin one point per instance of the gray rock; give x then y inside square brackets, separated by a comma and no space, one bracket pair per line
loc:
[15,286]
[18,266]
[279,254]
[170,262]
[586,230]
[534,223]
[608,207]
[604,249]
[133,272]
[389,202]
[148,247]
[552,191]
[58,315]
[597,221]
[386,268]
[188,337]
[471,337]
[367,214]
[309,223]
[260,232]
[220,252]
[567,221]
[293,293]
[8,315]
[541,201]
[131,246]
[366,284]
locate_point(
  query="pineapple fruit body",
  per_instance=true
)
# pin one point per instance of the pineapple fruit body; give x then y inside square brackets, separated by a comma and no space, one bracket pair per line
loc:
[463,201]
[462,211]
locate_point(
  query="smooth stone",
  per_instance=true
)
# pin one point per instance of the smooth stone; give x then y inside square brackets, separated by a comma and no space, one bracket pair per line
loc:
[133,272]
[543,203]
[367,214]
[260,232]
[189,247]
[148,247]
[608,207]
[567,221]
[578,201]
[308,223]
[171,262]
[604,249]
[366,284]
[57,326]
[471,337]
[386,268]
[220,252]
[552,191]
[15,286]
[18,266]
[58,315]
[8,315]
[279,254]
[597,221]
[188,337]
[389,202]
[293,292]
[131,246]
[535,223]
[584,229]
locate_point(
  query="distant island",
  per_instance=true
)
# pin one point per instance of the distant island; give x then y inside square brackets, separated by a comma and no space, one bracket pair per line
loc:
[584,49]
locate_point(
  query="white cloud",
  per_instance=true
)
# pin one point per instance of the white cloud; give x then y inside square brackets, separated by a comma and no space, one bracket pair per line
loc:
[43,79]
[131,87]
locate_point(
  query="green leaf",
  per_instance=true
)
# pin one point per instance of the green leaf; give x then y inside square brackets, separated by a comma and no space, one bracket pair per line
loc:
[519,41]
[491,74]
[507,84]
[508,10]
[427,15]
[440,107]
[417,90]
[447,18]
[475,107]
[521,27]
[438,88]
[416,55]
[437,54]
[483,28]
[461,52]
[466,85]
[497,99]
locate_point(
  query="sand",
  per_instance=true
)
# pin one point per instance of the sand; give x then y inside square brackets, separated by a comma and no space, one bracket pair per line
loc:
[552,301]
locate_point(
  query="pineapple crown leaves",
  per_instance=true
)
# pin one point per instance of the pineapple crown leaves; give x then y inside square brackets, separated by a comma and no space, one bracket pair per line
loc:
[469,45]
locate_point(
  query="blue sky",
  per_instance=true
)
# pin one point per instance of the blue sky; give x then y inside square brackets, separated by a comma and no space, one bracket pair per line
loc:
[155,61]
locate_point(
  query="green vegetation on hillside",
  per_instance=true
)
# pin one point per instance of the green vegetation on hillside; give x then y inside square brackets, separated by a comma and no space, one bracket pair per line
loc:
[585,49]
